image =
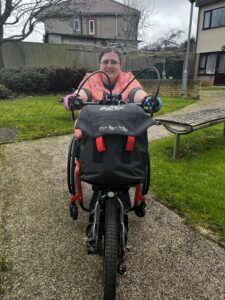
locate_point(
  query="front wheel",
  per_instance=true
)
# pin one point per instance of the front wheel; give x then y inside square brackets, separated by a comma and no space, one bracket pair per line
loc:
[111,244]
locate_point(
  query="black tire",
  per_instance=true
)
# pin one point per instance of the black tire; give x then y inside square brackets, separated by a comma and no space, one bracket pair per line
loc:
[68,166]
[71,164]
[111,244]
[146,183]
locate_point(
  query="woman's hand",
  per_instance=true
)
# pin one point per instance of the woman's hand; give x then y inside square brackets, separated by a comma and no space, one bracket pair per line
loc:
[151,104]
[72,102]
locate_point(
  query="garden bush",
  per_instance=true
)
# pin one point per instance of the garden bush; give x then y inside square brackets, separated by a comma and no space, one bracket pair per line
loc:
[65,78]
[40,80]
[4,92]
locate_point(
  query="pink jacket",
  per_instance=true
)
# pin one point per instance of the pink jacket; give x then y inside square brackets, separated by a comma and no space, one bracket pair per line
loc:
[97,90]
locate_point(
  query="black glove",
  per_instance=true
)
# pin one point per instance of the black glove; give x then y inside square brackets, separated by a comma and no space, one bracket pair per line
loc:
[72,102]
[151,104]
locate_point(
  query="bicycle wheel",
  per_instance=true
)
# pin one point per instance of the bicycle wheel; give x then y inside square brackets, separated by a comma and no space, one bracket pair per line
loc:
[71,164]
[146,183]
[68,166]
[111,244]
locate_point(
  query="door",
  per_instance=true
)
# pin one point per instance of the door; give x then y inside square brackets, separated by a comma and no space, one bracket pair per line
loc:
[220,70]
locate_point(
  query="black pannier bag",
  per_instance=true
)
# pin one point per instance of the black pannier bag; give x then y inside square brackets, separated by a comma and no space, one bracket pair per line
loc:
[114,146]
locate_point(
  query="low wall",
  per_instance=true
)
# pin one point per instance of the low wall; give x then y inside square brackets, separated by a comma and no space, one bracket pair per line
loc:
[173,87]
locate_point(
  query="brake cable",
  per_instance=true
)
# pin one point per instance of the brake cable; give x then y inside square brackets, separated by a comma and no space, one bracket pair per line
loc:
[139,73]
[81,86]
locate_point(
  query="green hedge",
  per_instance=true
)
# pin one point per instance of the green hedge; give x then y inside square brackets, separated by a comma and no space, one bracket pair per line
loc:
[31,80]
[4,92]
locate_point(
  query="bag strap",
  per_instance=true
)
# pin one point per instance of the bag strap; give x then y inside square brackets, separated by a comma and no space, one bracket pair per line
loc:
[100,144]
[130,143]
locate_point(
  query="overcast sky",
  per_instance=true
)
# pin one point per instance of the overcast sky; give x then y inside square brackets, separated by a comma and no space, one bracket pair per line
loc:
[172,14]
[168,14]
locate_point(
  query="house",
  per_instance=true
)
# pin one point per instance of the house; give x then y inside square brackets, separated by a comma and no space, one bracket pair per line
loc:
[104,23]
[210,48]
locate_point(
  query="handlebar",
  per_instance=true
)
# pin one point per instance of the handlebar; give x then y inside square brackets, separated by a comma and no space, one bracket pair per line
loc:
[111,98]
[105,102]
[119,96]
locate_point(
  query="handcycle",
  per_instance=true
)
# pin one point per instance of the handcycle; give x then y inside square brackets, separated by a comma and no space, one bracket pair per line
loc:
[112,154]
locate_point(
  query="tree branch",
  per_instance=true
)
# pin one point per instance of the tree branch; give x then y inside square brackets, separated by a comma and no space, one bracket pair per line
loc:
[28,13]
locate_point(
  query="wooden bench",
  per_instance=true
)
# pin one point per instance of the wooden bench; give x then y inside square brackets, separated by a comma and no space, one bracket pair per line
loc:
[188,122]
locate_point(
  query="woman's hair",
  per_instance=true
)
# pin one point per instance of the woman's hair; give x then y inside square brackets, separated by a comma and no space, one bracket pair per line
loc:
[110,50]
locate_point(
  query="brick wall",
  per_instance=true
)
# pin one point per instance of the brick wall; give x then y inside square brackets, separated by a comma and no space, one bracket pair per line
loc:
[173,87]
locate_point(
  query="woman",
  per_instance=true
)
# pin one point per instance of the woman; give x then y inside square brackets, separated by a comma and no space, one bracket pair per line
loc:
[98,87]
[110,63]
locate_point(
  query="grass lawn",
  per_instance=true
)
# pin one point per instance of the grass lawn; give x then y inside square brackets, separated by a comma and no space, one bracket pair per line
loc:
[35,117]
[194,184]
[42,116]
[172,104]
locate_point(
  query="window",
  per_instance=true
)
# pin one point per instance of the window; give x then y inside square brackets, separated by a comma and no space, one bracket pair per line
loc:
[218,17]
[214,18]
[211,64]
[202,64]
[221,66]
[207,18]
[207,64]
[91,26]
[77,25]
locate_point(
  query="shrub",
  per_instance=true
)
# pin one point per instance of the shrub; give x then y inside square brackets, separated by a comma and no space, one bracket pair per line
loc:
[65,78]
[4,92]
[31,80]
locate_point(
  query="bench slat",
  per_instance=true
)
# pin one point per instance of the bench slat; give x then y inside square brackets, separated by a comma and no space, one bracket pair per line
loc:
[195,119]
[188,122]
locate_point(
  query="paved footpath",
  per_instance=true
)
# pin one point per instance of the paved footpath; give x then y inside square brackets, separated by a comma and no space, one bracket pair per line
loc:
[42,250]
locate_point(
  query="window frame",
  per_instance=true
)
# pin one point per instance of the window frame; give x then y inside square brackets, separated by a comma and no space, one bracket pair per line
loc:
[205,65]
[78,20]
[210,21]
[210,18]
[89,26]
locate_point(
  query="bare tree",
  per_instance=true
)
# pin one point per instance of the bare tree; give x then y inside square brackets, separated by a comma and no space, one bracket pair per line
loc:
[166,46]
[147,10]
[24,15]
[192,45]
[136,22]
[136,16]
[169,41]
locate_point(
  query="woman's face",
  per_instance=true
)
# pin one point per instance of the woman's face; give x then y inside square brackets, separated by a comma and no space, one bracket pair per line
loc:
[110,64]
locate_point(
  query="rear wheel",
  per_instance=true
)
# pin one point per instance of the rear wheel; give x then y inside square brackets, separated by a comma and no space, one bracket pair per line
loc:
[111,242]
